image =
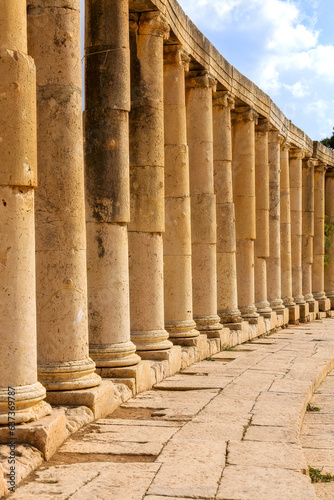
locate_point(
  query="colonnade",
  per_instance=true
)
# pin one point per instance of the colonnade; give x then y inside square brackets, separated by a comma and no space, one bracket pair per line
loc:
[190,211]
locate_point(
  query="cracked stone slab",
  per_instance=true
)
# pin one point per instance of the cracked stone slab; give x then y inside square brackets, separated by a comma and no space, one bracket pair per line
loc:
[268,433]
[96,481]
[104,444]
[188,382]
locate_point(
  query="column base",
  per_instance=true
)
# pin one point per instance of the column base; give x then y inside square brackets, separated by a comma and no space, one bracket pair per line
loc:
[68,375]
[230,316]
[172,356]
[151,340]
[99,399]
[113,355]
[294,314]
[249,314]
[181,329]
[209,325]
[304,313]
[137,377]
[28,403]
[263,308]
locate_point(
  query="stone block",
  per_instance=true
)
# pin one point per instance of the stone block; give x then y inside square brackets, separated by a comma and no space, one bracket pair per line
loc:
[137,377]
[99,399]
[324,305]
[214,346]
[261,327]
[314,307]
[304,313]
[294,314]
[45,434]
[172,356]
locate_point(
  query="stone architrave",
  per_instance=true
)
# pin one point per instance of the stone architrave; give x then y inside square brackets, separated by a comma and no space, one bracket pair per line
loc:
[244,120]
[177,236]
[285,219]
[261,246]
[107,95]
[295,173]
[308,231]
[329,250]
[199,87]
[228,311]
[18,179]
[62,322]
[274,260]
[147,223]
[318,268]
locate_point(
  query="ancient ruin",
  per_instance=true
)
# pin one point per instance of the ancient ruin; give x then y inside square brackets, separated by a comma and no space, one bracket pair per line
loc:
[182,215]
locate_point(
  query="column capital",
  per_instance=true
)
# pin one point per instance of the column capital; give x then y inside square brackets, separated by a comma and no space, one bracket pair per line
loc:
[175,54]
[245,113]
[223,98]
[321,167]
[285,145]
[263,126]
[200,79]
[296,153]
[154,23]
[308,162]
[329,172]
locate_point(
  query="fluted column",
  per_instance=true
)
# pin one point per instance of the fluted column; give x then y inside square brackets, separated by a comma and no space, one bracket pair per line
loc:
[177,237]
[18,179]
[107,95]
[296,156]
[262,217]
[243,154]
[62,323]
[147,222]
[203,201]
[318,268]
[308,230]
[274,260]
[286,266]
[228,311]
[329,250]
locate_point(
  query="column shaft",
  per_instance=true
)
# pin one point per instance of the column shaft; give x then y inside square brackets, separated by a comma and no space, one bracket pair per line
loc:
[243,154]
[177,237]
[274,260]
[329,249]
[147,182]
[62,323]
[18,178]
[262,217]
[318,268]
[228,310]
[107,97]
[203,202]
[308,229]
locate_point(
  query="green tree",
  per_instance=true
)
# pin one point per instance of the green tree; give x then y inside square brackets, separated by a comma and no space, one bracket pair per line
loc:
[329,141]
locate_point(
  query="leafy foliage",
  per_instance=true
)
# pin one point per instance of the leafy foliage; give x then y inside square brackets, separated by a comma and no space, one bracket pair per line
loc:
[329,229]
[317,476]
[329,141]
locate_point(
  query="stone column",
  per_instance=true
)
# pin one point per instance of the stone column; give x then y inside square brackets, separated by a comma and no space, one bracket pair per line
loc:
[329,250]
[107,97]
[243,154]
[286,266]
[228,310]
[177,237]
[318,268]
[274,260]
[203,201]
[62,323]
[147,32]
[296,156]
[262,217]
[18,179]
[308,231]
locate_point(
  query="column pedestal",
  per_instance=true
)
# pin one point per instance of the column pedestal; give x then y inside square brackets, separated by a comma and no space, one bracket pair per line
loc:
[329,249]
[308,232]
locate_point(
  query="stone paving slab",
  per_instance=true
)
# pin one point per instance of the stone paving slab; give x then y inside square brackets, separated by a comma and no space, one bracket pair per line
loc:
[236,441]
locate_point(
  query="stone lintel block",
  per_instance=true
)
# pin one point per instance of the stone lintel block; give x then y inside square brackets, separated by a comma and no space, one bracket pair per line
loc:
[314,307]
[188,356]
[330,314]
[99,399]
[172,356]
[294,314]
[214,346]
[321,315]
[304,313]
[285,314]
[270,320]
[324,305]
[46,434]
[200,344]
[223,335]
[137,377]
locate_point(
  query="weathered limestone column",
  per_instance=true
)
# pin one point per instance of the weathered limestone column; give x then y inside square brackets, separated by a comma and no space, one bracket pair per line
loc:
[147,32]
[262,217]
[177,237]
[107,97]
[286,266]
[308,231]
[62,323]
[296,156]
[18,179]
[274,260]
[228,310]
[329,210]
[203,201]
[318,268]
[243,154]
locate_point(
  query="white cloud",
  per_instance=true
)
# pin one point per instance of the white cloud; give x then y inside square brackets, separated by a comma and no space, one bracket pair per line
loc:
[298,89]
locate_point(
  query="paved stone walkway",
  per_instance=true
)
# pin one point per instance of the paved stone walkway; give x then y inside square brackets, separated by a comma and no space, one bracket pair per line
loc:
[226,428]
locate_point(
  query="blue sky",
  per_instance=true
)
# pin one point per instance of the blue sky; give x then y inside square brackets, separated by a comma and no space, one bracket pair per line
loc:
[285,46]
